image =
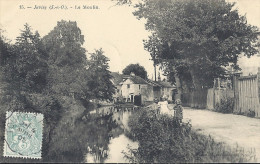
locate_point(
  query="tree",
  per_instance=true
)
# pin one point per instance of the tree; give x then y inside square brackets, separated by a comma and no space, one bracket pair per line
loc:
[67,60]
[202,35]
[28,74]
[99,81]
[137,69]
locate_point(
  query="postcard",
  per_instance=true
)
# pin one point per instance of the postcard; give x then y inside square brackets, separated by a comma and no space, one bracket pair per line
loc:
[129,81]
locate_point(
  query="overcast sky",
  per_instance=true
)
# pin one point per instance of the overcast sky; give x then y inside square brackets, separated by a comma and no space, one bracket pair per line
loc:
[113,28]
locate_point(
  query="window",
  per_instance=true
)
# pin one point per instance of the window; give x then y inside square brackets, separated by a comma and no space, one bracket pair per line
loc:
[128,85]
[139,87]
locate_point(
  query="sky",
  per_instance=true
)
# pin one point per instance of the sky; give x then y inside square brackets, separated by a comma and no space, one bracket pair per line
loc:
[112,28]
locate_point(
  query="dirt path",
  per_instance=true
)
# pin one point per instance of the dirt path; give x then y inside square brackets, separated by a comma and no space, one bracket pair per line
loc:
[228,128]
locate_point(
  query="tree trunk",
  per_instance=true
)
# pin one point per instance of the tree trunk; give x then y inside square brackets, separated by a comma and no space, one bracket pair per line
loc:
[178,84]
[197,84]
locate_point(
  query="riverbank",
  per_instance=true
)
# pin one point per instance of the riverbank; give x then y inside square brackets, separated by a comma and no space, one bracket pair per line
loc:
[162,139]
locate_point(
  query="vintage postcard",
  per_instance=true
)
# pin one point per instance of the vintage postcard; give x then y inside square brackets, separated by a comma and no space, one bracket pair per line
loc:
[129,81]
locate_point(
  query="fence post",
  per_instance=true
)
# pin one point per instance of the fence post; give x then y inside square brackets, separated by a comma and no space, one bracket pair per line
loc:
[236,93]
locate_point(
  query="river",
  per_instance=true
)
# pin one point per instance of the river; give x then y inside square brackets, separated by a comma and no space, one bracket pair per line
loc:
[107,138]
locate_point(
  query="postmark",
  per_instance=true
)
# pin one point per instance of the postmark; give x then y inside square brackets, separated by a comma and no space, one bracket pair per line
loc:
[23,135]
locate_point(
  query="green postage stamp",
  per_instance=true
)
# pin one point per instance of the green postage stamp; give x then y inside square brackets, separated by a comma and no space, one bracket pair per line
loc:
[23,135]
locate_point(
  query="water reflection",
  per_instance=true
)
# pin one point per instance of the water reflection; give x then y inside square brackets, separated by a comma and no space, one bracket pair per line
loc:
[106,138]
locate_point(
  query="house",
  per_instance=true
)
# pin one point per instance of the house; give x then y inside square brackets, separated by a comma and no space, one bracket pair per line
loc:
[167,90]
[162,89]
[134,89]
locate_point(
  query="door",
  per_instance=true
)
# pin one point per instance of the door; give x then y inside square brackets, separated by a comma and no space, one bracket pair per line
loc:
[137,100]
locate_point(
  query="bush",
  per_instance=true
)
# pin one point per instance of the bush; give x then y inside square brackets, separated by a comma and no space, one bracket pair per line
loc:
[225,105]
[162,139]
[250,113]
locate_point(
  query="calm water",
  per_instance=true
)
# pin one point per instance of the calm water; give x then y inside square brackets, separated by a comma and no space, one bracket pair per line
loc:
[106,134]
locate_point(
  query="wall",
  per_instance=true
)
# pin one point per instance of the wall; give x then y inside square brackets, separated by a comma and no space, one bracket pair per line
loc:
[134,89]
[167,92]
[127,91]
[147,94]
[156,92]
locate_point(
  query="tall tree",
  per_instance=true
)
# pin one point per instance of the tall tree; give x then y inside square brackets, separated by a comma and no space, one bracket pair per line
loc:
[137,69]
[67,60]
[99,81]
[202,35]
[28,74]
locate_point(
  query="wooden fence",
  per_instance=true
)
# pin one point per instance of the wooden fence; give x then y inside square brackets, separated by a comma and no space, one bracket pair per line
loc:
[245,92]
[195,99]
[214,96]
[247,95]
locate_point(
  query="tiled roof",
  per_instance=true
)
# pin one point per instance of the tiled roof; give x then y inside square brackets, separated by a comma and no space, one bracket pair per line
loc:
[137,80]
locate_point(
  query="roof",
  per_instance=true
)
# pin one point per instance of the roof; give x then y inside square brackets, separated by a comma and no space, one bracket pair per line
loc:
[153,83]
[117,78]
[137,80]
[166,84]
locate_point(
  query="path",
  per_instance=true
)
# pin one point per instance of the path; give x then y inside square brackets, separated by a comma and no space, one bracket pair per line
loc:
[228,128]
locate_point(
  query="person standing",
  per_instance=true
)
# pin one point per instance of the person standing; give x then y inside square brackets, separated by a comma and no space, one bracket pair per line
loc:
[178,111]
[164,107]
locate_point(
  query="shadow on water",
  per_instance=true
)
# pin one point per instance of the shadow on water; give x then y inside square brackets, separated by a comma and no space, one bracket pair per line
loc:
[106,139]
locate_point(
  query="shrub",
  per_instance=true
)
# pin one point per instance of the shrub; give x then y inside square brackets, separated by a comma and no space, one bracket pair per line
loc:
[162,139]
[225,105]
[250,113]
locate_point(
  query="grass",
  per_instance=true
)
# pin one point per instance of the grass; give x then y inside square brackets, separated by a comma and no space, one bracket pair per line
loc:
[163,139]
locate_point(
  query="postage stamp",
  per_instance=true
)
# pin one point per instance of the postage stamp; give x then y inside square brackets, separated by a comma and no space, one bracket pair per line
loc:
[23,135]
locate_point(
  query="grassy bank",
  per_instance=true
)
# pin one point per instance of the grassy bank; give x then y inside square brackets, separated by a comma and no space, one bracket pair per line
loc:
[163,139]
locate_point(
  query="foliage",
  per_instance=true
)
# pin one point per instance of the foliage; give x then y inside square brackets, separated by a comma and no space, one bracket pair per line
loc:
[251,113]
[202,35]
[48,75]
[135,68]
[225,106]
[29,72]
[99,81]
[162,139]
[67,60]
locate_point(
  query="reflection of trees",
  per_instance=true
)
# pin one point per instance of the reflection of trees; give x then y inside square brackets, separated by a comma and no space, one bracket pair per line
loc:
[97,132]
[100,128]
[89,135]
